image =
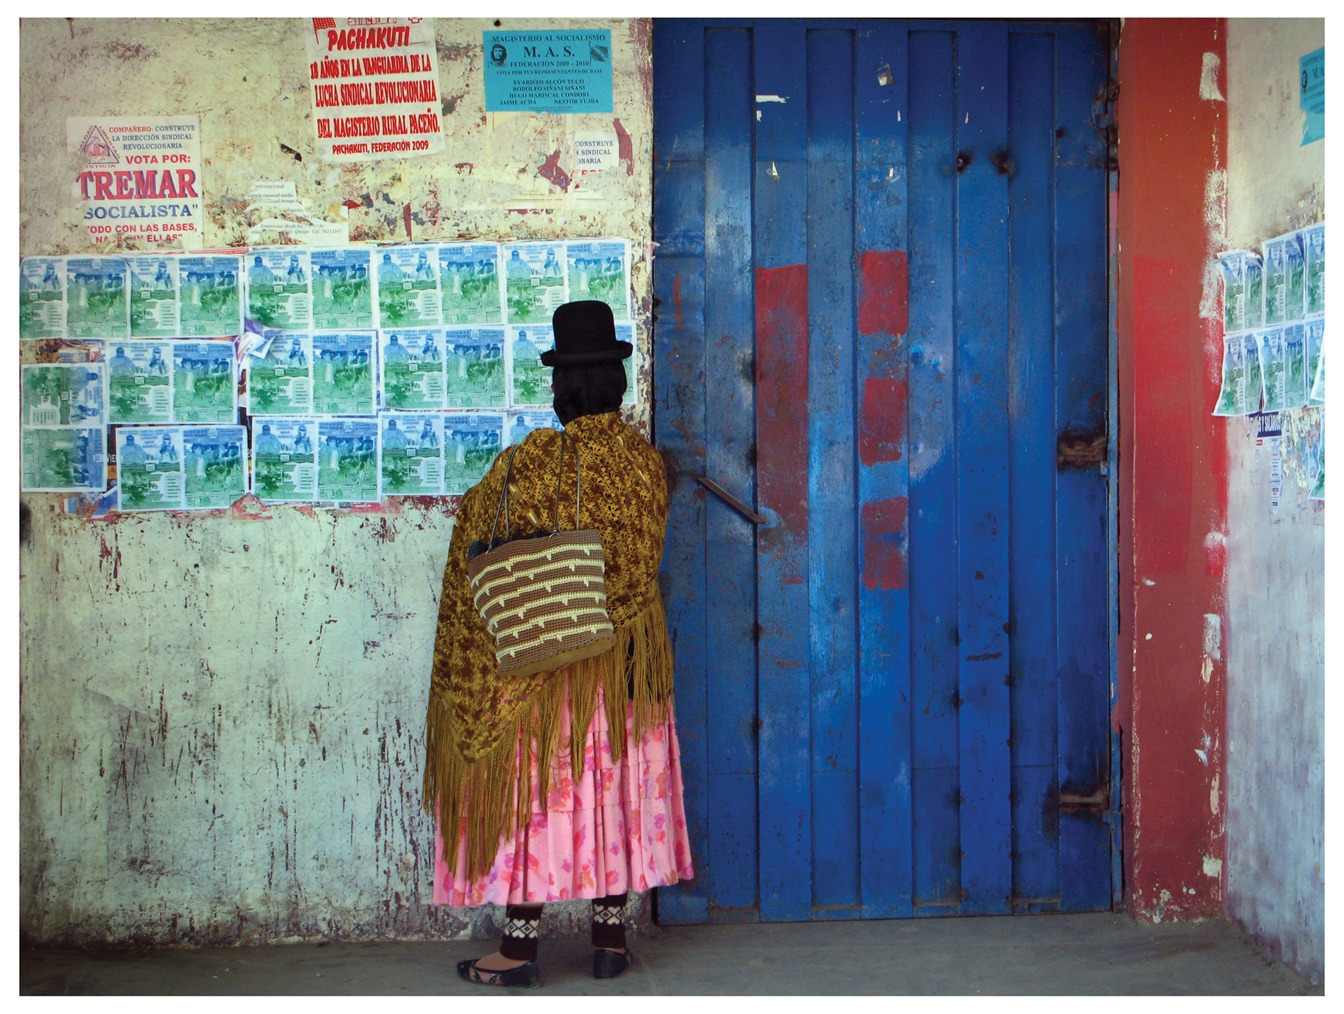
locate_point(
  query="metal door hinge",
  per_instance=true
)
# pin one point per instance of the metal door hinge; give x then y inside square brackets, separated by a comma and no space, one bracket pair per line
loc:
[1080,450]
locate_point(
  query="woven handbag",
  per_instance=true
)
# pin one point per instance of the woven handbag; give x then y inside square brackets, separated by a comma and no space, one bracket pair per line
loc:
[543,596]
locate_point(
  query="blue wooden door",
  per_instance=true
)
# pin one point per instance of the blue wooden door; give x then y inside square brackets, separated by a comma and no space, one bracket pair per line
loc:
[881,386]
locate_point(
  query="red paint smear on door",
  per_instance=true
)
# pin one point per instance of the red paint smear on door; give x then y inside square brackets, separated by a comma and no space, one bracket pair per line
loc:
[886,561]
[781,395]
[882,419]
[884,292]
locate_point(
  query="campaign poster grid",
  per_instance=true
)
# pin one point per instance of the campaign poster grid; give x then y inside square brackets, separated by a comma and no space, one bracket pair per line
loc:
[335,412]
[1274,325]
[414,285]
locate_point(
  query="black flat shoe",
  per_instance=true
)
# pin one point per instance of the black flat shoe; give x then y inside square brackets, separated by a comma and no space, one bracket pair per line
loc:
[525,975]
[609,964]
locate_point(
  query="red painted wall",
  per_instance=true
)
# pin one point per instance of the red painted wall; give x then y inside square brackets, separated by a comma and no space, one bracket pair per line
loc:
[1172,470]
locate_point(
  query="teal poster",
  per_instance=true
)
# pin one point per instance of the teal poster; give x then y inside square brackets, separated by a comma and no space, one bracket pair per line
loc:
[1312,101]
[548,72]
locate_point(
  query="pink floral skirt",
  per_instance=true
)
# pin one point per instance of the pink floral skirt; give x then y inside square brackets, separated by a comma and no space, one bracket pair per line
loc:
[620,827]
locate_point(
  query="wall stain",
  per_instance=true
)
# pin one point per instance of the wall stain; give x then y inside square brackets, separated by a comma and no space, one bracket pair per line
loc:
[550,170]
[223,798]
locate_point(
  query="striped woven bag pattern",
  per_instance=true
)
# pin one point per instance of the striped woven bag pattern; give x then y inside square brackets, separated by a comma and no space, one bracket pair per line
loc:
[543,598]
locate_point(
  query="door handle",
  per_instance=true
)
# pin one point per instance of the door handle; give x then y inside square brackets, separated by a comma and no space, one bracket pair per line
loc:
[730,500]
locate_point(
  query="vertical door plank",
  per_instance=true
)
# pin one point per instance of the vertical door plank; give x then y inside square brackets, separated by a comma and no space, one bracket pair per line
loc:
[936,820]
[679,90]
[782,414]
[831,515]
[679,392]
[1081,406]
[729,538]
[983,516]
[932,493]
[1031,377]
[882,386]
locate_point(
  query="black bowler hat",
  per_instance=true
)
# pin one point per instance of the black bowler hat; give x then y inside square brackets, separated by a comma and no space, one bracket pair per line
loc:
[585,332]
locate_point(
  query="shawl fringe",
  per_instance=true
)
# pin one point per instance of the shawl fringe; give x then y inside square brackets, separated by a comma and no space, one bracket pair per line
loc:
[490,798]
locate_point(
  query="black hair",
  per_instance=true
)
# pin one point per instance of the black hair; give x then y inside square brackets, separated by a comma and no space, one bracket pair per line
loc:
[589,389]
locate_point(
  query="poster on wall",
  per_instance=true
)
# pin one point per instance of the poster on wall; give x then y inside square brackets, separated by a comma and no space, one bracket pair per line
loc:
[410,455]
[534,281]
[1313,252]
[412,376]
[211,300]
[284,460]
[1285,279]
[342,289]
[566,71]
[139,179]
[626,333]
[1243,290]
[475,367]
[1317,395]
[600,269]
[529,378]
[375,88]
[1273,369]
[63,459]
[347,460]
[154,296]
[520,424]
[471,440]
[139,383]
[408,286]
[97,300]
[1242,386]
[63,412]
[343,374]
[469,283]
[149,469]
[278,291]
[1296,383]
[42,297]
[64,394]
[281,381]
[205,382]
[1311,95]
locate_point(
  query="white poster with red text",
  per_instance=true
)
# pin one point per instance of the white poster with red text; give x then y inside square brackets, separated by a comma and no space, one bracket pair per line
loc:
[139,181]
[375,88]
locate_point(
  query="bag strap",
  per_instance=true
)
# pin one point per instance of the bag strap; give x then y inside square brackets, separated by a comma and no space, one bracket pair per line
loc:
[503,500]
[559,476]
[503,506]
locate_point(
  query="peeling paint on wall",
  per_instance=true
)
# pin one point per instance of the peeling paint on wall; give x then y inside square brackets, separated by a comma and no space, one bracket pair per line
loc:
[1209,69]
[1274,635]
[221,728]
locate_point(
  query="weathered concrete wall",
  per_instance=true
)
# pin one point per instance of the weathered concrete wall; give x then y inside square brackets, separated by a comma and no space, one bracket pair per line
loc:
[221,719]
[1275,558]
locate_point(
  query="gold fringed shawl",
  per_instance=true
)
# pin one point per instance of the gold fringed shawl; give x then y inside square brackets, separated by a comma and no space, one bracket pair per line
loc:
[483,731]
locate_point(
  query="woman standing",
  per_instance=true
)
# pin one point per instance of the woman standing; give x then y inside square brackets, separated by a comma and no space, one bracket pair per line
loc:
[564,784]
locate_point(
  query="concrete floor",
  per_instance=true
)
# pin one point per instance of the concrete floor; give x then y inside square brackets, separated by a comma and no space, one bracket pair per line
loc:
[1097,954]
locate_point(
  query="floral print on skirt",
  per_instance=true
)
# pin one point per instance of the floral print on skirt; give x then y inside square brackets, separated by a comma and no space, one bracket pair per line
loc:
[620,827]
